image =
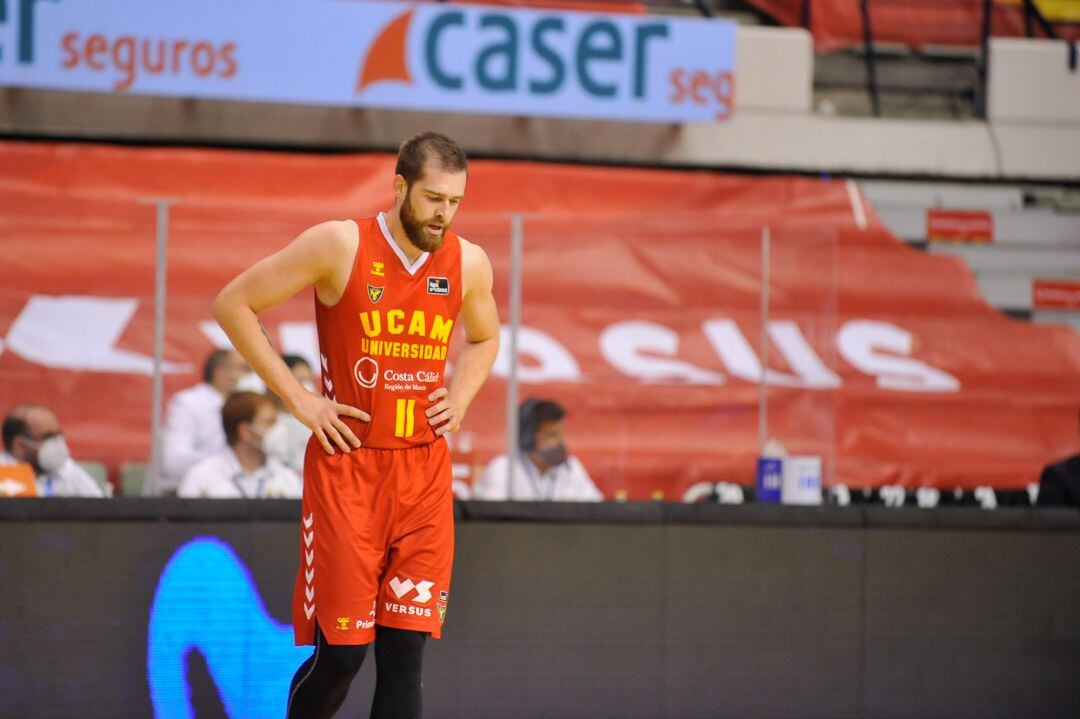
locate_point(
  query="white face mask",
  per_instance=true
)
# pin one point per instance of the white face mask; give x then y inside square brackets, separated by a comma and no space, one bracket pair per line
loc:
[250,382]
[275,442]
[52,454]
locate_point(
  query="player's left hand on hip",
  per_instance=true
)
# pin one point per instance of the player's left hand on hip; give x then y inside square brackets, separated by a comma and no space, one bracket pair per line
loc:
[443,415]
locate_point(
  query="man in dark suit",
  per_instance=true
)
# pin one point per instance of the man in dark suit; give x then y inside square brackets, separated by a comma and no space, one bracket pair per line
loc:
[1059,484]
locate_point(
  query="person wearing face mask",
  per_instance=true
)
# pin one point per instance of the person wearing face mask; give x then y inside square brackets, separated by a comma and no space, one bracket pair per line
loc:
[32,436]
[543,469]
[192,429]
[243,469]
[287,440]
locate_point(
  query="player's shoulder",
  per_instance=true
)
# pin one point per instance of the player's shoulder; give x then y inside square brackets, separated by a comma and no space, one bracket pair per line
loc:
[470,249]
[475,265]
[331,239]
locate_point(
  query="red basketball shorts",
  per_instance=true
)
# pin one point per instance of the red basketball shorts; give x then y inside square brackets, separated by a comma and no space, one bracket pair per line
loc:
[376,542]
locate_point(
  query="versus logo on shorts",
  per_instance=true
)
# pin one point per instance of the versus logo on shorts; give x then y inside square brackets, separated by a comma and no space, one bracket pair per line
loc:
[438,286]
[408,610]
[402,589]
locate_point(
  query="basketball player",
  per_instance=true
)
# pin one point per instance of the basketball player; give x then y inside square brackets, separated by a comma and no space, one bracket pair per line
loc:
[377,526]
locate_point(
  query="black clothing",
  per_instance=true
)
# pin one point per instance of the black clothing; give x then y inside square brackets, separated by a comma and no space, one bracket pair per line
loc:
[1059,484]
[320,685]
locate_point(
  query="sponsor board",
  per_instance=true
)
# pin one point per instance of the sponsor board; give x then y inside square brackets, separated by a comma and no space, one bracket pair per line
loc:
[434,57]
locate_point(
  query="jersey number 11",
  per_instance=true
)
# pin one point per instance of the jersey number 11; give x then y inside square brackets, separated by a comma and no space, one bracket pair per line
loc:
[403,425]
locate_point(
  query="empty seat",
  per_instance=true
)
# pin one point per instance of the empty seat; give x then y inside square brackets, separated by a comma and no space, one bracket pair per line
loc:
[132,478]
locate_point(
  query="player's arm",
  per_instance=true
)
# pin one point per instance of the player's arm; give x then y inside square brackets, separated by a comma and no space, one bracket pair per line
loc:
[481,320]
[308,260]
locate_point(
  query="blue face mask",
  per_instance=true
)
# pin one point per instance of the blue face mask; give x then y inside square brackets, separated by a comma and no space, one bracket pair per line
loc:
[553,456]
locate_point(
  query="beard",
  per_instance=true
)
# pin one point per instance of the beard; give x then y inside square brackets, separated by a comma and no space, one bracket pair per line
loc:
[417,229]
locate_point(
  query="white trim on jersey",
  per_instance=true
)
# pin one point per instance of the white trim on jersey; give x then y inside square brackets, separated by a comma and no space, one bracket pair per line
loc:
[397,250]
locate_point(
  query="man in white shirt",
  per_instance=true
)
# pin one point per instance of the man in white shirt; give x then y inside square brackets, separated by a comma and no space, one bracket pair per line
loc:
[243,470]
[193,420]
[32,435]
[288,438]
[542,470]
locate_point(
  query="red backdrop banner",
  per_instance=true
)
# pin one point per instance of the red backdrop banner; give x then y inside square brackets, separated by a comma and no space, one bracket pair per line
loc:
[642,313]
[838,24]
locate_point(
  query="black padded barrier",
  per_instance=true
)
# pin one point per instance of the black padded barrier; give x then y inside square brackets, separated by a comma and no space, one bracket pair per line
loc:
[610,610]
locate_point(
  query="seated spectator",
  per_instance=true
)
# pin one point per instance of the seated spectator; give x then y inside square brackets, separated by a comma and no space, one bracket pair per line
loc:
[193,420]
[288,439]
[1059,484]
[32,435]
[242,470]
[542,469]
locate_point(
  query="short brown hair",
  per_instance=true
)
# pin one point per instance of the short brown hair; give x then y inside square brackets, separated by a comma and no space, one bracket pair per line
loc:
[427,147]
[240,407]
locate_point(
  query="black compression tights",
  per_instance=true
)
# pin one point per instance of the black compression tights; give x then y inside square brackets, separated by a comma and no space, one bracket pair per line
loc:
[321,683]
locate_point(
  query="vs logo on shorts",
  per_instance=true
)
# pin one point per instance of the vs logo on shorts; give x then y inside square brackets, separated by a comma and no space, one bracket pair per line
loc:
[438,286]
[374,293]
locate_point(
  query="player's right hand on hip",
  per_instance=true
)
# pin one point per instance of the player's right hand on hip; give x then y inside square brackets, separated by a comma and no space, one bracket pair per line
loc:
[323,418]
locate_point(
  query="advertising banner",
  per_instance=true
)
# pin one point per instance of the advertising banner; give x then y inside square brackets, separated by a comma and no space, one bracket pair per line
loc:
[839,24]
[436,57]
[641,313]
[1055,294]
[968,226]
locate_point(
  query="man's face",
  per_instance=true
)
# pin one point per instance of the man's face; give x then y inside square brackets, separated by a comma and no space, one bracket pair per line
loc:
[254,431]
[550,448]
[228,373]
[550,434]
[430,204]
[303,374]
[41,425]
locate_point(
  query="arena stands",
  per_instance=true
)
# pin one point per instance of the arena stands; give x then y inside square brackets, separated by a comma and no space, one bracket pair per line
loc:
[766,253]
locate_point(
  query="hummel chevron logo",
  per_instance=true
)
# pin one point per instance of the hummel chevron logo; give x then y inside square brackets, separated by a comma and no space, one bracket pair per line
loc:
[308,521]
[309,574]
[325,366]
[329,384]
[308,537]
[309,556]
[310,592]
[309,610]
[423,589]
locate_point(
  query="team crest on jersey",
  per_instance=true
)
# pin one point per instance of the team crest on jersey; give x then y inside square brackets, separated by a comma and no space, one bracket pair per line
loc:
[442,612]
[375,293]
[377,268]
[438,286]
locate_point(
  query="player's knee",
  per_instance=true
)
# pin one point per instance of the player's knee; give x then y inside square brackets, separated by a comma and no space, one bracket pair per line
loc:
[400,650]
[342,661]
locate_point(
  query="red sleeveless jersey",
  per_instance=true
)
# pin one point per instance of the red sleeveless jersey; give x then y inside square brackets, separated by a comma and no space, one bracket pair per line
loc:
[383,345]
